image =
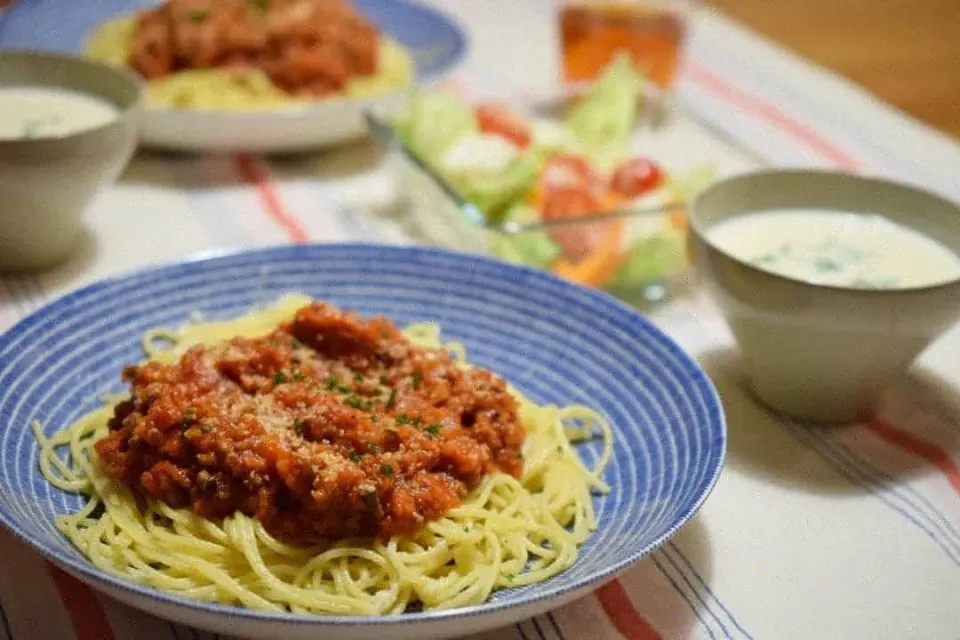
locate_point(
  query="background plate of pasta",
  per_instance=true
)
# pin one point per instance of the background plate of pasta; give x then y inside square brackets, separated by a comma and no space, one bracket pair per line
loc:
[250,75]
[349,441]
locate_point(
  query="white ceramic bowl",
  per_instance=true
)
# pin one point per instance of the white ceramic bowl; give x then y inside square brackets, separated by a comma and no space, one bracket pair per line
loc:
[314,126]
[47,182]
[816,352]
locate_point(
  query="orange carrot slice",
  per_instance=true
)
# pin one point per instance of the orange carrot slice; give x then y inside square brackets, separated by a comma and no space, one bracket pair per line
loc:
[677,217]
[599,266]
[603,262]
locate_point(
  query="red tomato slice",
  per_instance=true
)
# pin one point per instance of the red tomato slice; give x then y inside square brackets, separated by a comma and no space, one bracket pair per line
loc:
[501,120]
[570,188]
[565,172]
[637,176]
[576,240]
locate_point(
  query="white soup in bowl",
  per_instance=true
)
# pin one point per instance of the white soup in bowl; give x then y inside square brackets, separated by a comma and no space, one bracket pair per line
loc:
[840,249]
[50,112]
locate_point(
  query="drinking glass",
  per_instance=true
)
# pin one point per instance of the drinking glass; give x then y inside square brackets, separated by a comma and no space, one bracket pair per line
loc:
[652,32]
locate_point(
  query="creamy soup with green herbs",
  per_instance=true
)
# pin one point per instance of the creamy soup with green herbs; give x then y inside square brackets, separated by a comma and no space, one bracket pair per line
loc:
[854,250]
[45,112]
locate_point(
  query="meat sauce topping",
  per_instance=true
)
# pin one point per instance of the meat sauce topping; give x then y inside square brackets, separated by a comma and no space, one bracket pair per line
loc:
[306,47]
[330,427]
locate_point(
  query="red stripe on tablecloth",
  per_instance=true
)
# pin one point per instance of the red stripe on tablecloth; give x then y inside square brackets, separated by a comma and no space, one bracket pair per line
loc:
[772,114]
[88,618]
[920,448]
[625,618]
[254,175]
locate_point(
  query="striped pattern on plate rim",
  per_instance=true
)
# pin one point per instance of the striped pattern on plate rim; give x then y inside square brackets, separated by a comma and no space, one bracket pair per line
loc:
[557,342]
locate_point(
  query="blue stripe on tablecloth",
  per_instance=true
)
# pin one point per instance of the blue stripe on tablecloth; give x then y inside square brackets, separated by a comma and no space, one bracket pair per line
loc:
[522,633]
[863,475]
[933,514]
[697,612]
[556,627]
[708,594]
[5,623]
[536,625]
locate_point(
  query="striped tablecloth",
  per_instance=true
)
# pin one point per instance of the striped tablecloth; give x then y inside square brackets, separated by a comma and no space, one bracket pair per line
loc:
[810,533]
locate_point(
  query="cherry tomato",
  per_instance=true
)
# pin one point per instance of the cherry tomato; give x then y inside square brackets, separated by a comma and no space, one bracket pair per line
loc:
[499,119]
[636,176]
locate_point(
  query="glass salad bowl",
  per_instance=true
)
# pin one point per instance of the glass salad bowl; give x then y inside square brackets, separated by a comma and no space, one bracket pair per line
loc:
[545,184]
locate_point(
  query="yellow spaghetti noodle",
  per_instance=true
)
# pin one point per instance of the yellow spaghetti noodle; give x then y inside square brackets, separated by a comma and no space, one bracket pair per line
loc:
[239,89]
[506,533]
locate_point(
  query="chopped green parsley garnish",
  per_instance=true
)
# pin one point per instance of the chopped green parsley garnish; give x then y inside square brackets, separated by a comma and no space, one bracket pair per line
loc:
[511,576]
[335,385]
[416,379]
[433,429]
[826,264]
[356,456]
[357,377]
[279,377]
[403,419]
[198,15]
[298,376]
[383,379]
[374,447]
[295,344]
[31,128]
[298,426]
[374,417]
[188,417]
[357,403]
[386,469]
[392,400]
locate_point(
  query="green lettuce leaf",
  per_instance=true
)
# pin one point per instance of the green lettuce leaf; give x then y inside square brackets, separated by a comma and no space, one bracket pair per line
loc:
[649,260]
[496,194]
[432,123]
[531,248]
[606,115]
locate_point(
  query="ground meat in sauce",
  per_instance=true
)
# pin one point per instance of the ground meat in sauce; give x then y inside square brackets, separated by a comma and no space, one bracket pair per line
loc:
[332,426]
[306,47]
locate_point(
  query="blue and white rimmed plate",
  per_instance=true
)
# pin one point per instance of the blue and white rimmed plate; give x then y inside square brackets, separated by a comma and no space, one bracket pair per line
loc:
[557,342]
[435,41]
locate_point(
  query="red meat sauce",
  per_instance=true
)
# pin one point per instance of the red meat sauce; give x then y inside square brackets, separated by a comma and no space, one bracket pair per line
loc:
[306,47]
[330,427]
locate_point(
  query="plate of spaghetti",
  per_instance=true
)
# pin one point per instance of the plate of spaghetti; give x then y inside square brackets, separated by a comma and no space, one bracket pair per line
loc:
[349,441]
[250,75]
